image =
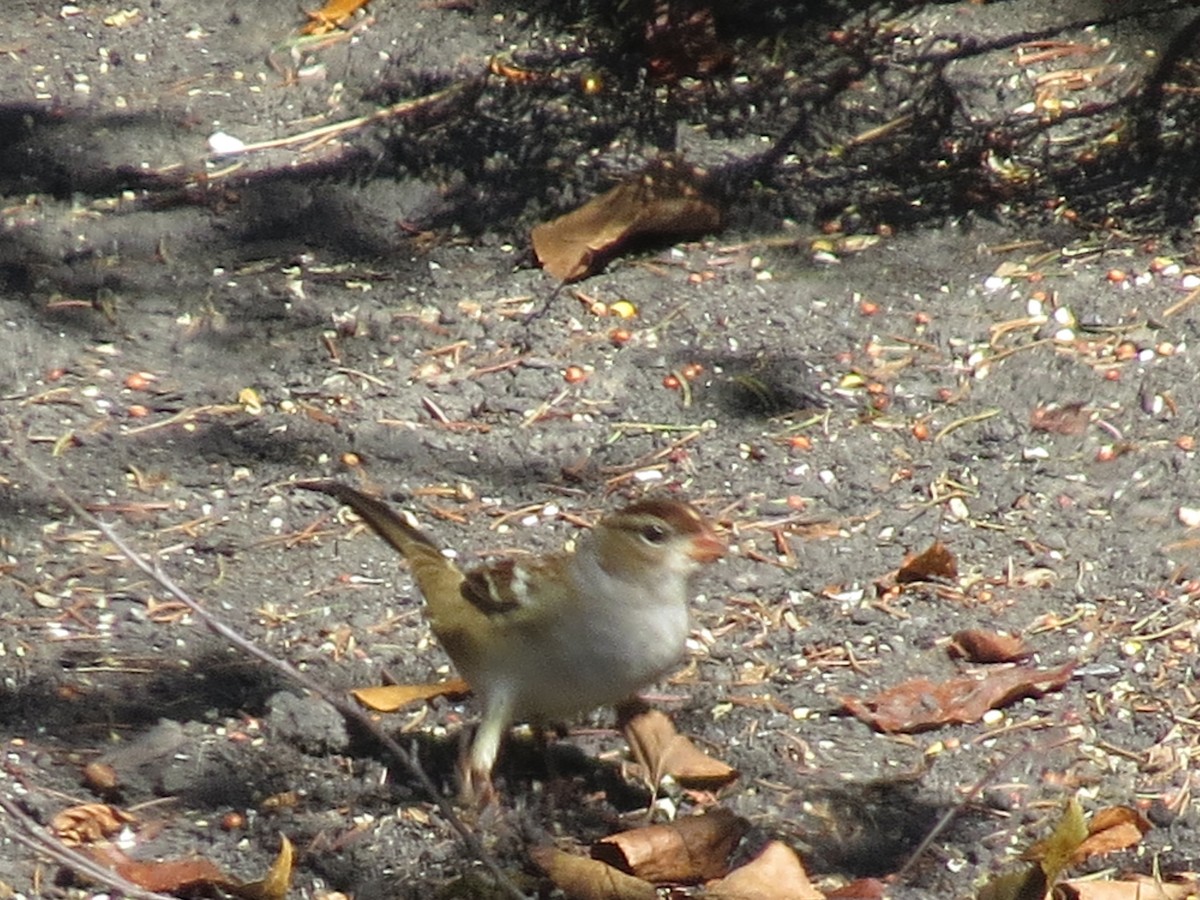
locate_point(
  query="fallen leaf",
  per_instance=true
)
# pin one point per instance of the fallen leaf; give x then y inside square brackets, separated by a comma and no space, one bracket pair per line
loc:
[981,646]
[278,880]
[1027,885]
[936,562]
[662,751]
[391,697]
[1052,856]
[1069,419]
[1057,851]
[581,878]
[333,15]
[921,704]
[687,851]
[665,199]
[1136,887]
[176,876]
[89,822]
[1110,829]
[859,889]
[775,874]
[197,875]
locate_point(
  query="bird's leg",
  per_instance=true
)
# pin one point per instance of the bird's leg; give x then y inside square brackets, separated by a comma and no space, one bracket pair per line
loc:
[476,766]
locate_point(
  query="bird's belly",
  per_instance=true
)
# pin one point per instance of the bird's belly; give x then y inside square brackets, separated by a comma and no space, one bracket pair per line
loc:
[597,664]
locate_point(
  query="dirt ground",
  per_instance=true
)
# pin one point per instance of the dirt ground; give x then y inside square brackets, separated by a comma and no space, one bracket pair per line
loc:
[174,352]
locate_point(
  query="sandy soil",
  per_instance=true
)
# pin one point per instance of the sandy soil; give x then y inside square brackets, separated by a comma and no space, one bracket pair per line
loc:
[173,351]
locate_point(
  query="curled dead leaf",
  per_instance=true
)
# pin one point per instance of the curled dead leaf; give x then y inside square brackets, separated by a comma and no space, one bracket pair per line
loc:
[1071,418]
[934,563]
[982,646]
[1108,830]
[662,751]
[921,704]
[589,879]
[775,874]
[391,697]
[278,879]
[687,851]
[333,15]
[1135,887]
[89,822]
[665,200]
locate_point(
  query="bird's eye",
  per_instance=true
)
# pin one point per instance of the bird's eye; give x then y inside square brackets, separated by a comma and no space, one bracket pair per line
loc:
[654,534]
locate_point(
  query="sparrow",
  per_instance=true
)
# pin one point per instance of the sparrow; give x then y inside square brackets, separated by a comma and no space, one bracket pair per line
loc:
[540,640]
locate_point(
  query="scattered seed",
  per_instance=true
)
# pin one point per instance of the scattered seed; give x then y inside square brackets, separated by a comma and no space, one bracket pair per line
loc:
[622,309]
[1116,276]
[620,336]
[1107,453]
[957,509]
[574,374]
[591,83]
[139,381]
[671,382]
[1125,351]
[1186,442]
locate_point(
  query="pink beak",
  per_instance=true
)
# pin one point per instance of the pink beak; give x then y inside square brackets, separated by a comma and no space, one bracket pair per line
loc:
[706,548]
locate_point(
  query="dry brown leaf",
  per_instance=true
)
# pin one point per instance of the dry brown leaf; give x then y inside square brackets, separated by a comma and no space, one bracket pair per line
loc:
[581,878]
[686,851]
[935,562]
[859,889]
[1069,419]
[921,704]
[101,778]
[176,876]
[391,697]
[89,822]
[665,199]
[662,751]
[279,877]
[775,874]
[1110,829]
[333,15]
[982,646]
[197,875]
[1137,887]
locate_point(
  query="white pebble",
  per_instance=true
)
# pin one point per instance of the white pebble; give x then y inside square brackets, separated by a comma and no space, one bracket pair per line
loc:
[223,144]
[1190,516]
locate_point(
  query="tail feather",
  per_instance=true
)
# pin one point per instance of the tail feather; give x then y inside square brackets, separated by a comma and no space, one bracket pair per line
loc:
[436,576]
